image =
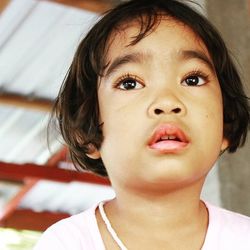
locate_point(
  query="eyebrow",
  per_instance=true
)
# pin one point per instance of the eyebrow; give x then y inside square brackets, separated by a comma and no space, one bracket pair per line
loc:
[196,54]
[142,57]
[136,57]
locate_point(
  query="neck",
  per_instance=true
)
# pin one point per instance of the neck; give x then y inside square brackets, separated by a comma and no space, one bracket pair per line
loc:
[168,210]
[147,221]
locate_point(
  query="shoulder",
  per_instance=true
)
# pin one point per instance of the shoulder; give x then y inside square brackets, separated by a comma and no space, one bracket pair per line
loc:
[76,232]
[237,222]
[227,229]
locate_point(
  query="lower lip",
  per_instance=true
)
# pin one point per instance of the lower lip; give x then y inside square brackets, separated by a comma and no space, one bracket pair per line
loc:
[165,147]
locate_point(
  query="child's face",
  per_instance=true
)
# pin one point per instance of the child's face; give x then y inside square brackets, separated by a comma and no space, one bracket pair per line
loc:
[151,90]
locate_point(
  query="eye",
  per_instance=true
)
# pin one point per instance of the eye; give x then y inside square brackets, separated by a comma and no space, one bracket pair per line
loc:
[195,79]
[129,83]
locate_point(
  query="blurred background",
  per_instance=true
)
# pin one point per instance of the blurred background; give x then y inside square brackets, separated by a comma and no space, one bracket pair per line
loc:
[39,185]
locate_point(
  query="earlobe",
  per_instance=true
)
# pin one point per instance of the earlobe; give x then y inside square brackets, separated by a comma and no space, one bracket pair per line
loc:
[94,153]
[224,144]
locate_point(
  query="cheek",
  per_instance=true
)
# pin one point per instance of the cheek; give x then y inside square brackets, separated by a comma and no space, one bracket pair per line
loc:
[119,113]
[212,130]
[115,124]
[208,117]
[215,112]
[212,106]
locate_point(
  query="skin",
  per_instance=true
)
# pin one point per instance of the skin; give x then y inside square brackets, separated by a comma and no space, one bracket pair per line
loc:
[165,187]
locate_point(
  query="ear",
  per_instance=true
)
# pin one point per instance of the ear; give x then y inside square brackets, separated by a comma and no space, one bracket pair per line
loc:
[94,153]
[224,144]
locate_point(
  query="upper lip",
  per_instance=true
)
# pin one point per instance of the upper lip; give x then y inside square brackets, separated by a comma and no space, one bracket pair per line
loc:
[165,130]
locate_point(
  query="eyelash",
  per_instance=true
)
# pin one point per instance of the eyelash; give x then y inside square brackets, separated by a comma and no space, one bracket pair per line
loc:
[196,73]
[125,77]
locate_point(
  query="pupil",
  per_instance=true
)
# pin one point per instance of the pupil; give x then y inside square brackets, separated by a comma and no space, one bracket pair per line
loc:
[194,80]
[129,84]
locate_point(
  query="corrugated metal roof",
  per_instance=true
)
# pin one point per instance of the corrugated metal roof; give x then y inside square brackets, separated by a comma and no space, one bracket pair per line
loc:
[69,198]
[23,136]
[37,43]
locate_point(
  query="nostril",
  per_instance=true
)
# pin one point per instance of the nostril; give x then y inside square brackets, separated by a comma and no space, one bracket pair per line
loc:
[177,110]
[158,111]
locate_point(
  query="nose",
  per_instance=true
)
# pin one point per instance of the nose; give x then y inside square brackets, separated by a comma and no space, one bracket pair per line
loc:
[168,104]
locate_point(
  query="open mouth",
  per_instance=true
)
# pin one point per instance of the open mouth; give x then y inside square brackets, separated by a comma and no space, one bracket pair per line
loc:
[168,138]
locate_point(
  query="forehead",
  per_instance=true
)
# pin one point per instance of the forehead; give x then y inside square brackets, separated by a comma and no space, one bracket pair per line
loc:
[167,35]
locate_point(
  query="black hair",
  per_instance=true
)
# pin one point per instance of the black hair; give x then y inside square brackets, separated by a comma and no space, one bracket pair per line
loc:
[76,106]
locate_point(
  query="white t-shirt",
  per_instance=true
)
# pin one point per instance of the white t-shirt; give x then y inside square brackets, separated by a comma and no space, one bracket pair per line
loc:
[226,231]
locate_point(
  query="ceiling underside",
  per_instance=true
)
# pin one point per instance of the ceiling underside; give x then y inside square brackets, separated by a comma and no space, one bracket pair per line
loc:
[37,43]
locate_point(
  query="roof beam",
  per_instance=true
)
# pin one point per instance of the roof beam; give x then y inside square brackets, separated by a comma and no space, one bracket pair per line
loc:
[60,156]
[26,102]
[12,205]
[3,4]
[20,172]
[31,220]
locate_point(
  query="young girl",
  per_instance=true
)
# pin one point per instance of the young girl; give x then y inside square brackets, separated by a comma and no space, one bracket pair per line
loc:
[151,100]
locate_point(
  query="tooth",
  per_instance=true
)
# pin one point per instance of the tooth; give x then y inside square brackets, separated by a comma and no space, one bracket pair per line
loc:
[172,137]
[166,137]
